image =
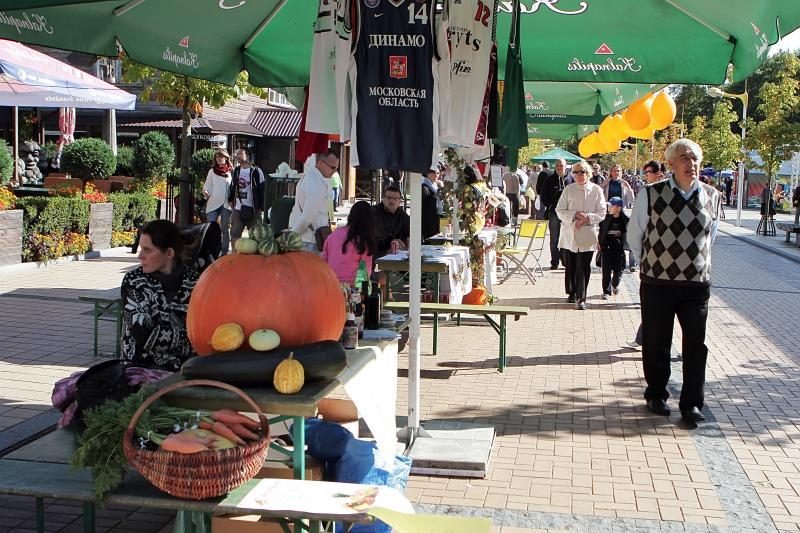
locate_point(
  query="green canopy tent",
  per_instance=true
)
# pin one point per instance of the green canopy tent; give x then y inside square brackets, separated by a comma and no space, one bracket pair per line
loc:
[271,39]
[559,131]
[555,154]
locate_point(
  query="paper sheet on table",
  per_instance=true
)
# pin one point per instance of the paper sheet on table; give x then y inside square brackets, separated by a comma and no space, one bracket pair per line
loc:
[418,523]
[374,391]
[317,497]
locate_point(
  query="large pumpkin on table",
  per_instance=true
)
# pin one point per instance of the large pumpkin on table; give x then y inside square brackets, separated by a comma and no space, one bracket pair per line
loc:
[295,294]
[477,296]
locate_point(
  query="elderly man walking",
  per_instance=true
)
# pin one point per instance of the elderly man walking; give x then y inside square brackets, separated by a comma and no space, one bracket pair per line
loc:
[550,193]
[673,225]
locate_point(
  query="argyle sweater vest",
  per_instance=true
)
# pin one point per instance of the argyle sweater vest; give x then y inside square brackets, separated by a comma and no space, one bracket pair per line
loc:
[677,242]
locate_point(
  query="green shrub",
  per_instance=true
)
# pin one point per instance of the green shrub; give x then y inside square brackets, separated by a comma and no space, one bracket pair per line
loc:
[124,161]
[153,157]
[57,215]
[88,159]
[131,210]
[202,161]
[6,163]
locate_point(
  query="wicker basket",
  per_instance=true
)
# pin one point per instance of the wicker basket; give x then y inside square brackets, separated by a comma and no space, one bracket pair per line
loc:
[202,475]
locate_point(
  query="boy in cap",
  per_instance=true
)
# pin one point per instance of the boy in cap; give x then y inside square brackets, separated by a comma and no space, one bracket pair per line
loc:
[613,230]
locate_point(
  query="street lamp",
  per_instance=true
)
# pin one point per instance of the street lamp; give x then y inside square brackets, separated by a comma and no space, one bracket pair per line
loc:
[716,92]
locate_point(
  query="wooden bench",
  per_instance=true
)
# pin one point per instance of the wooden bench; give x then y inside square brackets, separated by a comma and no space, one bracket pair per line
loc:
[790,228]
[486,311]
[108,309]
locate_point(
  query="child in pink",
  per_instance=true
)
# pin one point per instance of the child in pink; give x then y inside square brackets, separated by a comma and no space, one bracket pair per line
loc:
[347,246]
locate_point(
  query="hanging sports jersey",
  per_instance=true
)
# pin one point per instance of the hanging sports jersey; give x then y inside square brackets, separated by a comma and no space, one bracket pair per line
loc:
[394,79]
[469,31]
[328,91]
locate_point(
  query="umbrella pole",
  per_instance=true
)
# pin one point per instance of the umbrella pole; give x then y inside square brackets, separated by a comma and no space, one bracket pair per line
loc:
[111,129]
[16,145]
[414,181]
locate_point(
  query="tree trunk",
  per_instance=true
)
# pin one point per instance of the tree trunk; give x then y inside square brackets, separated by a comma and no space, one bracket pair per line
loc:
[185,190]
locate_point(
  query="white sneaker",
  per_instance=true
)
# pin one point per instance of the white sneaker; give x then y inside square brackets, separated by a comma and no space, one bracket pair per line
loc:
[604,296]
[634,344]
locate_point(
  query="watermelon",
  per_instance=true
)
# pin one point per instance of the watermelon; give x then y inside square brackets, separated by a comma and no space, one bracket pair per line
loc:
[268,247]
[260,232]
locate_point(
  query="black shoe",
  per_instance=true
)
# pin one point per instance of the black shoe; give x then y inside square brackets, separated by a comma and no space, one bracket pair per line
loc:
[571,299]
[553,266]
[692,415]
[658,407]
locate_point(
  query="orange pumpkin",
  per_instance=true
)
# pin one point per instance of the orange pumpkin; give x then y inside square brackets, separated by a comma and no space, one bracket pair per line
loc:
[476,296]
[295,294]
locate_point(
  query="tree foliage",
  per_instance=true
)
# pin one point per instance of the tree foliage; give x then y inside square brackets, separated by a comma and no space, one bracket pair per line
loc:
[721,147]
[88,159]
[534,148]
[776,137]
[6,163]
[153,157]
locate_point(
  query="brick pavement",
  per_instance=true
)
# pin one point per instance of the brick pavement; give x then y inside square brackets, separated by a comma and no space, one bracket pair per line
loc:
[575,447]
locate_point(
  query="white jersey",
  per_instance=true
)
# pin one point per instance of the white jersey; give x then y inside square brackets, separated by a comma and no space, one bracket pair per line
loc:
[469,31]
[328,91]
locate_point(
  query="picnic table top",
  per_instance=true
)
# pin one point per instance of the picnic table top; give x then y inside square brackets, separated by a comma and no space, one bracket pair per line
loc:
[42,469]
[788,226]
[464,308]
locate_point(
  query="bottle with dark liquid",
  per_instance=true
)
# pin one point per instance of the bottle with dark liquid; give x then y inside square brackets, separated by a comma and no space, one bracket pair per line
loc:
[373,309]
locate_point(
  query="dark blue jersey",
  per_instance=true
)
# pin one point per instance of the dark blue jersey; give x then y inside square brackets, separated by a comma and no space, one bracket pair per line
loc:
[396,102]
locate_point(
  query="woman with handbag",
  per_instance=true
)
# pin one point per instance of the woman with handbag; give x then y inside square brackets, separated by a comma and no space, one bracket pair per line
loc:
[349,245]
[580,208]
[215,190]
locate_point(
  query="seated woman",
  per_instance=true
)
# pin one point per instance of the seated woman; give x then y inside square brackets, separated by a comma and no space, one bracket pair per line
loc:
[346,247]
[155,298]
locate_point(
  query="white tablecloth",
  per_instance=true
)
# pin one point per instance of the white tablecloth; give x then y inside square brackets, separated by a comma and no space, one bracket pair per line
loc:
[458,279]
[488,237]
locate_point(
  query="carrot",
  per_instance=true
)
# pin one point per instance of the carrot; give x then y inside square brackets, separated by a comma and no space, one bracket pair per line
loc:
[223,430]
[243,432]
[181,445]
[229,416]
[204,424]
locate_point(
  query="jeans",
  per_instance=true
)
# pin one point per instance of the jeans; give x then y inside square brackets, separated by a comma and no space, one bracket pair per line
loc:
[660,305]
[310,247]
[238,225]
[224,216]
[555,232]
[631,260]
[612,263]
[337,191]
[578,267]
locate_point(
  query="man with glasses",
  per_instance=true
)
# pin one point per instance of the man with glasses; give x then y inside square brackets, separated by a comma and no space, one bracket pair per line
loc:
[550,193]
[392,224]
[313,202]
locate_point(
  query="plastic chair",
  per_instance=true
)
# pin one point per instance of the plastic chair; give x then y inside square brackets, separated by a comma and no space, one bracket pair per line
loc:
[535,231]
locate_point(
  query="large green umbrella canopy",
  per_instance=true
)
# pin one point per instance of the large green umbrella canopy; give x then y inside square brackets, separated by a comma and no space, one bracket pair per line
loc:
[555,154]
[559,131]
[636,41]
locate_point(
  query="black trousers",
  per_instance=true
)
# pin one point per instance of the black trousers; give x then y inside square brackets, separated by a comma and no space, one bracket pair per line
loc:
[578,269]
[555,232]
[514,199]
[612,262]
[660,305]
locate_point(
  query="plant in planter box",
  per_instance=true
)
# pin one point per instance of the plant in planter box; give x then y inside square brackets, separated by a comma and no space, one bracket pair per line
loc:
[76,243]
[6,163]
[153,157]
[93,195]
[88,159]
[7,199]
[124,161]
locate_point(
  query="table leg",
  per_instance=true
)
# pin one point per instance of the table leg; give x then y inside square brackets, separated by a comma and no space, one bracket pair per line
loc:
[502,362]
[39,515]
[96,319]
[436,315]
[299,439]
[88,517]
[117,347]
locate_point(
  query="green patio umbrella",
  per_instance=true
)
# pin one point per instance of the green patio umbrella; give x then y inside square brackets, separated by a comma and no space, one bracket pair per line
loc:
[559,131]
[556,154]
[271,39]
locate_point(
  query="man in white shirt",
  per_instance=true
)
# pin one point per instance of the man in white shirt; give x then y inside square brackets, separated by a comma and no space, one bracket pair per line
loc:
[313,201]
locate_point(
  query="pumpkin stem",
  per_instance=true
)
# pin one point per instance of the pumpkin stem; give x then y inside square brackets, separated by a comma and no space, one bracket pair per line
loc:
[291,356]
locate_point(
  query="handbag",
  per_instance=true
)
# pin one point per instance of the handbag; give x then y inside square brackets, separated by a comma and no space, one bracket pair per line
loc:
[320,234]
[247,213]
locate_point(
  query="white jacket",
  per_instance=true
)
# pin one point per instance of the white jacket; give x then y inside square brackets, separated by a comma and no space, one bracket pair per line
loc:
[588,199]
[217,188]
[312,204]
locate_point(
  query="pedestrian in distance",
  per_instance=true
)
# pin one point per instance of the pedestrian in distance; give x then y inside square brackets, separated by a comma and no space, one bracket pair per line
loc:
[612,235]
[580,209]
[550,193]
[672,227]
[246,196]
[215,190]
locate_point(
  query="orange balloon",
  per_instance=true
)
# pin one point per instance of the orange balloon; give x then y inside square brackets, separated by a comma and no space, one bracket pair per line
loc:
[664,110]
[638,114]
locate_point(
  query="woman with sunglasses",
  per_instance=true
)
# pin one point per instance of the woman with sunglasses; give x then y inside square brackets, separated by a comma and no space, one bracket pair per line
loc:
[581,208]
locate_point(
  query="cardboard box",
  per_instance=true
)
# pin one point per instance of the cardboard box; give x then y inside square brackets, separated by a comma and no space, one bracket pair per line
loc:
[244,524]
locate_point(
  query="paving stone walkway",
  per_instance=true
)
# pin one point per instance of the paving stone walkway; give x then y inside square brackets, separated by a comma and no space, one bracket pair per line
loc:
[575,449]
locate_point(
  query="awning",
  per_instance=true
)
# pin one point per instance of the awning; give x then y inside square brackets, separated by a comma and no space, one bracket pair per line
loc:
[202,125]
[277,123]
[30,78]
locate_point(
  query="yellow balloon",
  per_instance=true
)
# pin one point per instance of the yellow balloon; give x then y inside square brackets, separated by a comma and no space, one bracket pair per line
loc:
[646,133]
[607,128]
[619,127]
[664,110]
[638,114]
[606,144]
[584,148]
[590,144]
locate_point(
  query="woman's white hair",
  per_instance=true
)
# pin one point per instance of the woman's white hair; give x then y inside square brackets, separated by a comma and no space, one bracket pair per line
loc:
[585,166]
[687,144]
